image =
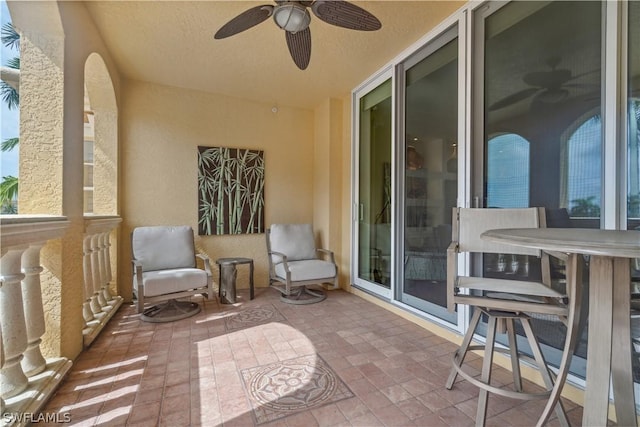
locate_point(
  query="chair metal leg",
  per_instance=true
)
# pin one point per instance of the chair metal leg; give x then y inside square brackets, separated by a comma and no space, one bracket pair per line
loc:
[459,355]
[544,370]
[513,350]
[574,268]
[481,416]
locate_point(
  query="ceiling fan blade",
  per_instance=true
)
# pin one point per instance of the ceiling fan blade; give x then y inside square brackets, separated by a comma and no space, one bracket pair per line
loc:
[305,3]
[244,21]
[346,15]
[550,96]
[513,98]
[586,86]
[547,79]
[300,47]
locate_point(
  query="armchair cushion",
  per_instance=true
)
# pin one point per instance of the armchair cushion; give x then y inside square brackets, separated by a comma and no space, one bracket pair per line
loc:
[162,282]
[310,269]
[163,248]
[296,241]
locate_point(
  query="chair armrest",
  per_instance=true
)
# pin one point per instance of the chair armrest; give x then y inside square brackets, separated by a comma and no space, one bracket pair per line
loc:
[207,268]
[137,269]
[283,260]
[207,262]
[328,253]
[279,254]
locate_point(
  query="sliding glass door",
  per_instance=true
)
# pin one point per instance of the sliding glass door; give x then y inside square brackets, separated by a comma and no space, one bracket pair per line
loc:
[373,207]
[430,178]
[538,126]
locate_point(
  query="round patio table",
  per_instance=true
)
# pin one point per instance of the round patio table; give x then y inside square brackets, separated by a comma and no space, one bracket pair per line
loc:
[610,252]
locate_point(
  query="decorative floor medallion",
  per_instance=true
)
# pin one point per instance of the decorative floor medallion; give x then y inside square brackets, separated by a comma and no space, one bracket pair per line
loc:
[284,388]
[253,316]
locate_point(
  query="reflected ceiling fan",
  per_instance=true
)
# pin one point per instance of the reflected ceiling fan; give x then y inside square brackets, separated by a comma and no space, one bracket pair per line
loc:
[294,18]
[546,86]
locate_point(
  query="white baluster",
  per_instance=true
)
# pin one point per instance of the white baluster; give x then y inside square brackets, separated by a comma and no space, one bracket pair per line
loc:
[14,337]
[97,276]
[104,282]
[96,306]
[106,261]
[33,362]
[87,312]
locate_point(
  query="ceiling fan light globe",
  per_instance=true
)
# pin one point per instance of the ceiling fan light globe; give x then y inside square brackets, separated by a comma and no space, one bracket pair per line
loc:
[292,17]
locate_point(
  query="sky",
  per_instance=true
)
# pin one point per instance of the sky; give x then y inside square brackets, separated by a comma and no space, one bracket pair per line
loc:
[9,119]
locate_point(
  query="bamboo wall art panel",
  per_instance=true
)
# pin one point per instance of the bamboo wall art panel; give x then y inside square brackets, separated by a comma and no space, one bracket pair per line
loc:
[230,191]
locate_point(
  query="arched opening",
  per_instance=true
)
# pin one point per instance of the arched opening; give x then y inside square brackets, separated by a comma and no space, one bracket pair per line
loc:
[582,172]
[100,140]
[508,171]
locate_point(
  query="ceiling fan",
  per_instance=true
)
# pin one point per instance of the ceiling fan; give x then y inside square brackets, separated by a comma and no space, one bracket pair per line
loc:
[546,86]
[294,18]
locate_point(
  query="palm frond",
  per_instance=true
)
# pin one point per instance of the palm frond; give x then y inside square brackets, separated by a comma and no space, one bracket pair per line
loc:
[9,95]
[10,37]
[9,144]
[14,63]
[8,189]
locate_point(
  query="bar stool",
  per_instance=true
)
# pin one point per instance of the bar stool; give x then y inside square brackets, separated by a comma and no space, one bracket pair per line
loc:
[504,301]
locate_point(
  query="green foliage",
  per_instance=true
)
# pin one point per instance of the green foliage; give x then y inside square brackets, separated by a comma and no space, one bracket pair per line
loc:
[9,144]
[10,37]
[8,194]
[9,95]
[633,206]
[9,184]
[585,208]
[14,63]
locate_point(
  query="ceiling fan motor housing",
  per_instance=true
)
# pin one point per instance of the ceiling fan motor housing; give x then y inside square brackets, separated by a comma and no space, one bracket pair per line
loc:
[292,17]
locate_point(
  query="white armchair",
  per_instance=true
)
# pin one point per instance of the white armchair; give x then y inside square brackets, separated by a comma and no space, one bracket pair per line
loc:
[294,263]
[164,262]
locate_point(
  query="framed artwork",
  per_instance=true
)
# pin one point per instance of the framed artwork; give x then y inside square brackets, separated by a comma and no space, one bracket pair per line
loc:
[230,191]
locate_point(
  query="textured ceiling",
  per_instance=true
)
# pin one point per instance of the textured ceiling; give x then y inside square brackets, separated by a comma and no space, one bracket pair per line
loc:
[171,43]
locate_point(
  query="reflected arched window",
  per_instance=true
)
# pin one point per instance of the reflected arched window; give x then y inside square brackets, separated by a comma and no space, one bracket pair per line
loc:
[508,171]
[583,170]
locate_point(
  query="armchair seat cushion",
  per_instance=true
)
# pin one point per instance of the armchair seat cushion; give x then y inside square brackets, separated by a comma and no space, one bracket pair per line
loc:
[161,282]
[310,269]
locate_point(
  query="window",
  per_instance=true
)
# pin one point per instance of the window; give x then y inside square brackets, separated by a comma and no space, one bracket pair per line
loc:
[583,170]
[508,171]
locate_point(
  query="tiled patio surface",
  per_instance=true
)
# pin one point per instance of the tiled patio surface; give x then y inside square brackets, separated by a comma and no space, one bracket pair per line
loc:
[341,362]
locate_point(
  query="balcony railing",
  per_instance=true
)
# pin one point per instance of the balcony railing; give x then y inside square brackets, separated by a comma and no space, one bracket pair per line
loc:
[99,303]
[27,379]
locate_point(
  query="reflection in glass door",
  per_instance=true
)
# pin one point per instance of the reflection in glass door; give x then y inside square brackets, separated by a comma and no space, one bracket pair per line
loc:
[430,172]
[373,207]
[538,129]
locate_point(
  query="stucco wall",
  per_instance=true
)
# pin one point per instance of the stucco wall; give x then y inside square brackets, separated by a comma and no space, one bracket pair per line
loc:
[56,40]
[161,130]
[328,175]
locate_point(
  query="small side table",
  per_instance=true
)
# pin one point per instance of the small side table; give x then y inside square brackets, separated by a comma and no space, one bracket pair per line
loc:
[227,281]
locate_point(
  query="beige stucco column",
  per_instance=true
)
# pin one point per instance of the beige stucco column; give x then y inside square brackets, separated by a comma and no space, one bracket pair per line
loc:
[51,150]
[327,179]
[1,366]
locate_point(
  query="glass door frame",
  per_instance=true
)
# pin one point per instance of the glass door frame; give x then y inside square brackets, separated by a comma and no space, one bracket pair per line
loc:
[357,95]
[436,42]
[614,120]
